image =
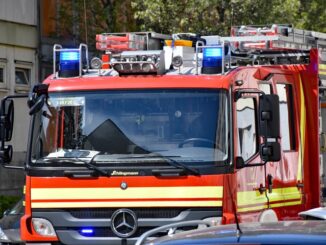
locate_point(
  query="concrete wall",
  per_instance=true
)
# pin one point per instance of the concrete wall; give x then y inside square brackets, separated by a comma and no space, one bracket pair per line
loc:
[18,51]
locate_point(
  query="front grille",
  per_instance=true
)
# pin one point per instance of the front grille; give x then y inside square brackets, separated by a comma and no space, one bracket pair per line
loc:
[107,232]
[142,213]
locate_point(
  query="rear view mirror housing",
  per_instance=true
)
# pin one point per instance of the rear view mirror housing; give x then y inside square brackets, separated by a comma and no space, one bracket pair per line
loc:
[269,116]
[6,154]
[6,119]
[269,127]
[6,129]
[270,152]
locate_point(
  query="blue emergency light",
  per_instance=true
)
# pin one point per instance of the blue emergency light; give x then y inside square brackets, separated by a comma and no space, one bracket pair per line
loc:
[212,60]
[87,231]
[69,63]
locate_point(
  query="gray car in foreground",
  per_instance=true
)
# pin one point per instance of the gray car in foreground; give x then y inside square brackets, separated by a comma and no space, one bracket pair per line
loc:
[10,225]
[285,232]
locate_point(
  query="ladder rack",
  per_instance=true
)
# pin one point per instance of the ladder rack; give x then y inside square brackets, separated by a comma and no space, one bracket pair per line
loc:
[279,37]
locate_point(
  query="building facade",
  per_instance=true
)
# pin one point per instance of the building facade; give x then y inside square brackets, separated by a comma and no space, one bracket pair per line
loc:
[18,72]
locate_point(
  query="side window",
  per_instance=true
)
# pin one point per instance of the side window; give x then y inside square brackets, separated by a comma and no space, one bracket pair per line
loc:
[284,92]
[266,88]
[246,122]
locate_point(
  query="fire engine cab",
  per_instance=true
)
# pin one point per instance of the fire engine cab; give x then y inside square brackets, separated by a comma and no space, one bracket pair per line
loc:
[171,128]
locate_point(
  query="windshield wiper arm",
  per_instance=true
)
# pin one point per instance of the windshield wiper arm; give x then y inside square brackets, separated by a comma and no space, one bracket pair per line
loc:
[91,166]
[88,164]
[177,164]
[169,160]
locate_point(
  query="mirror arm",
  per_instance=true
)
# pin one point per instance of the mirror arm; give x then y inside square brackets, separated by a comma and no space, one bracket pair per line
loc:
[239,92]
[13,167]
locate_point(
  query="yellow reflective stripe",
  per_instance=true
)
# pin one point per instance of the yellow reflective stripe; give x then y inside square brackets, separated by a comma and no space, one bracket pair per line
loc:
[127,204]
[322,66]
[302,131]
[291,193]
[130,193]
[322,72]
[247,209]
[273,205]
[279,194]
[276,205]
[250,197]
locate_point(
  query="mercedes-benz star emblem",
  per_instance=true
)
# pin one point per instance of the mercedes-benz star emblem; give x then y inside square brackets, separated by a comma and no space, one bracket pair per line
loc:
[124,223]
[123,185]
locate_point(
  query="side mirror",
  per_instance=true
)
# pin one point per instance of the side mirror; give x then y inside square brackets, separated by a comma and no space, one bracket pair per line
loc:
[269,127]
[7,119]
[6,154]
[6,129]
[269,116]
[270,152]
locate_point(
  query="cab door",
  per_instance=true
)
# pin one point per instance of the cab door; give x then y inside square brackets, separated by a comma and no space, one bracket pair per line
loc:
[292,120]
[251,197]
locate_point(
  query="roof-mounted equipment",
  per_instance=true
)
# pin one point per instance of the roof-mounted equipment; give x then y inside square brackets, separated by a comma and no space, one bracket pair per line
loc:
[139,62]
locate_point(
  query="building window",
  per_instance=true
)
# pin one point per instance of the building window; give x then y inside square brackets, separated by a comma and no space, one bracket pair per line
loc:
[284,92]
[246,122]
[2,77]
[22,76]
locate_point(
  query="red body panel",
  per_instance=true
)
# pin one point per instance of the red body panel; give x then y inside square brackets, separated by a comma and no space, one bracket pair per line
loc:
[291,191]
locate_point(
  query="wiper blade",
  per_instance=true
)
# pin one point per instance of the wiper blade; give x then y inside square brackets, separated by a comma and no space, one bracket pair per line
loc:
[169,160]
[177,164]
[88,164]
[91,166]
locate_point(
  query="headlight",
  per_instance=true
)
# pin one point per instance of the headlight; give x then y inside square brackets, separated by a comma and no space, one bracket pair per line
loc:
[215,221]
[3,237]
[43,227]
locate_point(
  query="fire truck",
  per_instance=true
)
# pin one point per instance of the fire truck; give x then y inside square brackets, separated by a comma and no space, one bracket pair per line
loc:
[171,128]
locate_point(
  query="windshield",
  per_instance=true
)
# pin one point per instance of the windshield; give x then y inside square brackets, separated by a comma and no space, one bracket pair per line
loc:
[137,126]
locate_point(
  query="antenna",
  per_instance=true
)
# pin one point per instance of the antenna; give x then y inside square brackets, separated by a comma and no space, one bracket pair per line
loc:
[86,33]
[239,231]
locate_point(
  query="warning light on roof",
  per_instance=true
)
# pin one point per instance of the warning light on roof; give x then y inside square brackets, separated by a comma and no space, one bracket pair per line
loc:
[212,60]
[69,63]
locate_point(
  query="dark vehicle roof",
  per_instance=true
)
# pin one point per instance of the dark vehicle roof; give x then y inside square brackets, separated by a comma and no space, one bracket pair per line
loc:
[287,232]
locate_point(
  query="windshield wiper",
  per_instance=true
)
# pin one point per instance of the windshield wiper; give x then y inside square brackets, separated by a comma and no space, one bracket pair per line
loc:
[88,164]
[170,161]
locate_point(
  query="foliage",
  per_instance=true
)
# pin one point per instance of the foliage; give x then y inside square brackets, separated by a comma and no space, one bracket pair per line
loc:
[197,16]
[7,202]
[93,17]
[217,16]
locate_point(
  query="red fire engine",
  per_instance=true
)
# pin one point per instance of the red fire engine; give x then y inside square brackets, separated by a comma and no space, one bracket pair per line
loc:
[171,128]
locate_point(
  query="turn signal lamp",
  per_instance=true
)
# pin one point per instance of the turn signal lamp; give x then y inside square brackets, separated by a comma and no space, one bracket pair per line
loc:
[69,63]
[212,60]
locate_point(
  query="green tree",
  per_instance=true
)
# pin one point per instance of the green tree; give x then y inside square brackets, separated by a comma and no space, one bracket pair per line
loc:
[81,20]
[312,15]
[217,16]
